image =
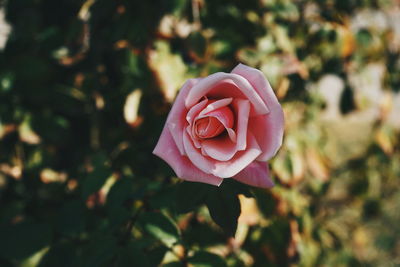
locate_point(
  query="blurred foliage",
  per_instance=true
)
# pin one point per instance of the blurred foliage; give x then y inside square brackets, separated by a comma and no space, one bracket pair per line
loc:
[85,88]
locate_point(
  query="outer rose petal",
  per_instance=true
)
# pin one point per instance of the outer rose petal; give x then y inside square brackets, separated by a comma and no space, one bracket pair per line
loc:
[207,84]
[184,169]
[176,120]
[269,133]
[258,81]
[256,174]
[268,129]
[223,169]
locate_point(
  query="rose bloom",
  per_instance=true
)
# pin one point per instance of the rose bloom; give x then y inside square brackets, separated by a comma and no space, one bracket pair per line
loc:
[222,126]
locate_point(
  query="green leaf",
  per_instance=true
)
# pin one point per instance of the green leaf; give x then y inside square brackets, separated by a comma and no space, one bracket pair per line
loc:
[71,219]
[99,251]
[191,195]
[196,237]
[162,199]
[277,236]
[120,192]
[131,255]
[6,81]
[96,179]
[60,255]
[173,264]
[265,201]
[206,259]
[118,216]
[224,207]
[197,44]
[121,195]
[161,227]
[156,255]
[236,187]
[177,6]
[21,240]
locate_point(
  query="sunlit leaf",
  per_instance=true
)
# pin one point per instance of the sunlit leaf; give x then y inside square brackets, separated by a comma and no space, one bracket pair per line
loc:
[169,69]
[131,107]
[161,227]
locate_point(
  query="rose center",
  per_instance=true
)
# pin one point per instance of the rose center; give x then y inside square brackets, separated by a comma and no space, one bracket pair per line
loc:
[214,124]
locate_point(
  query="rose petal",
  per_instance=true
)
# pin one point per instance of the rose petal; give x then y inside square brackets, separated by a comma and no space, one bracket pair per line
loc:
[240,160]
[216,105]
[223,169]
[167,150]
[220,148]
[208,127]
[256,174]
[212,126]
[259,83]
[206,85]
[191,115]
[242,110]
[195,111]
[268,129]
[196,142]
[225,88]
[176,117]
[212,110]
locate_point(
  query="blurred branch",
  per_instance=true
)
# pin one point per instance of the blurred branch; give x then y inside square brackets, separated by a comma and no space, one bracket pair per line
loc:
[196,12]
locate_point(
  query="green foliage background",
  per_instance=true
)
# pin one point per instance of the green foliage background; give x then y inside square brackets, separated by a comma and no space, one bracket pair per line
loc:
[80,187]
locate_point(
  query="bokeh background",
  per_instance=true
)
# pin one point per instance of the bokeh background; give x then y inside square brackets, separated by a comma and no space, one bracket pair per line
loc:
[85,88]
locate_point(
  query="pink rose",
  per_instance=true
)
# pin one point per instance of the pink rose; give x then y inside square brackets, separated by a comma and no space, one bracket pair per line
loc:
[222,126]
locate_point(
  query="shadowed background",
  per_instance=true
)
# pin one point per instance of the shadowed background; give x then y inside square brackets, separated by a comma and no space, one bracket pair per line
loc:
[85,88]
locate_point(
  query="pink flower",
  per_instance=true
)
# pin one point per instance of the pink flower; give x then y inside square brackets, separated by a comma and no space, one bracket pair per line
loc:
[225,125]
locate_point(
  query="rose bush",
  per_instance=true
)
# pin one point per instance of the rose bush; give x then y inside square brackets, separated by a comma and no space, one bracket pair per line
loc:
[222,126]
